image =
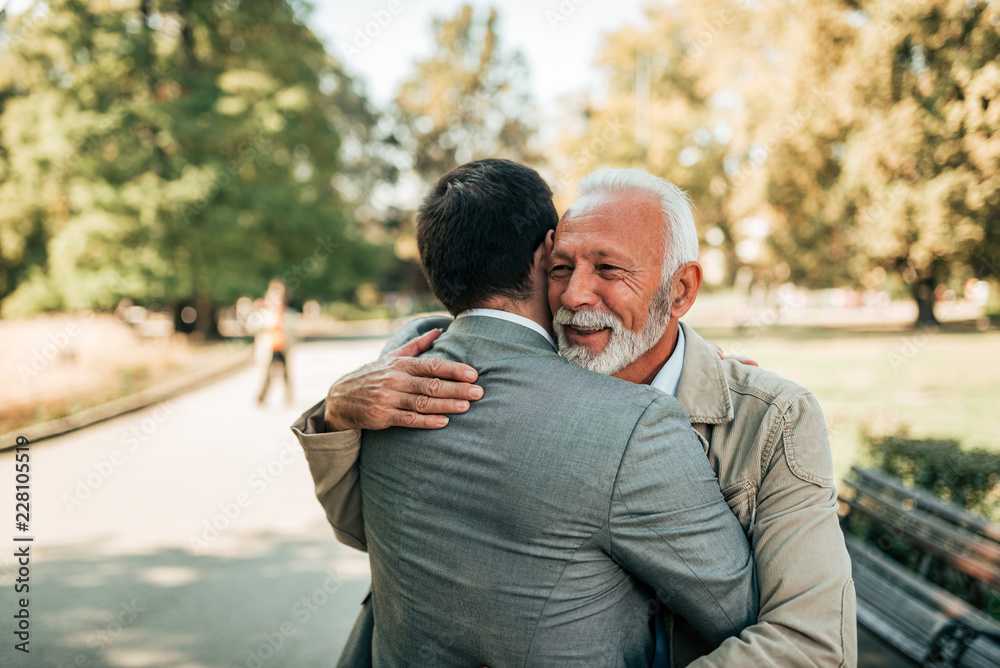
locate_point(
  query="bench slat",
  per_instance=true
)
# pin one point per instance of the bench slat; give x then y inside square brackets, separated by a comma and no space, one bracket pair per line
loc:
[929,502]
[871,620]
[967,540]
[871,558]
[972,566]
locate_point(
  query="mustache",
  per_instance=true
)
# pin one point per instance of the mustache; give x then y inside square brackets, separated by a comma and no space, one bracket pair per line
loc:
[587,318]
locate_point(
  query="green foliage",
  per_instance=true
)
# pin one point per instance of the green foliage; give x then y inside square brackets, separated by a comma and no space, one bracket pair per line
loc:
[663,112]
[468,100]
[177,151]
[967,478]
[859,136]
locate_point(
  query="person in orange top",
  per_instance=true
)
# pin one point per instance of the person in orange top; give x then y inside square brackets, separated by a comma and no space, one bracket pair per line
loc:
[276,337]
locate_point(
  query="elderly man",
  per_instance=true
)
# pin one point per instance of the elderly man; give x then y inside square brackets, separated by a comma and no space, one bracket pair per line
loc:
[617,305]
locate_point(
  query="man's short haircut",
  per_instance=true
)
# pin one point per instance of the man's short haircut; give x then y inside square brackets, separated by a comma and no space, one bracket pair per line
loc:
[678,222]
[478,229]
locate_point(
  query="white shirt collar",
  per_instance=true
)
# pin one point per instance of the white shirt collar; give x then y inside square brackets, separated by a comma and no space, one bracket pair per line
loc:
[669,376]
[509,317]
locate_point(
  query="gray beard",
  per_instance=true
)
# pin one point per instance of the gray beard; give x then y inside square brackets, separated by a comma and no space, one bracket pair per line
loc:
[624,346]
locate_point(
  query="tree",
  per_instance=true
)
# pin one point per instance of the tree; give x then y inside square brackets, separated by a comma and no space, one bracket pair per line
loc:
[902,173]
[468,100]
[859,135]
[180,152]
[680,90]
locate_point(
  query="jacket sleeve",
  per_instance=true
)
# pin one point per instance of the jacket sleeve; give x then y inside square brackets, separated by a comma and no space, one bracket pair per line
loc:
[415,328]
[333,462]
[671,528]
[808,611]
[333,456]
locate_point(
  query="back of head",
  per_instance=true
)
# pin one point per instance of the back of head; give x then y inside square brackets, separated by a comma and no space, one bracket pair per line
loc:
[478,229]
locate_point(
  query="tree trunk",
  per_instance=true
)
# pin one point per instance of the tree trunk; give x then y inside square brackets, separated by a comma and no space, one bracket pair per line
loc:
[923,294]
[205,324]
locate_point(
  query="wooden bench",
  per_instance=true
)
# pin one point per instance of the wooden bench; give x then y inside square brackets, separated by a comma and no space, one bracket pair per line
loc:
[899,603]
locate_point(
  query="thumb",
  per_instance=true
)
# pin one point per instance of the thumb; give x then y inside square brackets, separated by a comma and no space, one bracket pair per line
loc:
[421,344]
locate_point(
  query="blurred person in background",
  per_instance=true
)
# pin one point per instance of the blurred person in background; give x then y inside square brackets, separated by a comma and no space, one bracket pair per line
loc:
[273,340]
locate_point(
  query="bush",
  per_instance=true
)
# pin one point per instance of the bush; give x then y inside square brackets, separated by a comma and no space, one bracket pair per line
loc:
[967,478]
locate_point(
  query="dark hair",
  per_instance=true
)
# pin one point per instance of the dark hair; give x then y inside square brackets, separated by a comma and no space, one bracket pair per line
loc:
[478,230]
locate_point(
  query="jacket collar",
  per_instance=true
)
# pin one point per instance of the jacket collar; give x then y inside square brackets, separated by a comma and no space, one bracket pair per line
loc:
[704,389]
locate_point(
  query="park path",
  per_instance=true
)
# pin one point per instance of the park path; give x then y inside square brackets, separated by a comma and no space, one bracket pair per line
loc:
[186,535]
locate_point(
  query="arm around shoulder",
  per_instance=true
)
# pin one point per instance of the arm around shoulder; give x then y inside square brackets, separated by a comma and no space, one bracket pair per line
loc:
[333,463]
[807,601]
[415,328]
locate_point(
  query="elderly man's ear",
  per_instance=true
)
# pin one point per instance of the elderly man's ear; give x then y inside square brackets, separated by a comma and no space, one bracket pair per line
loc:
[684,288]
[550,242]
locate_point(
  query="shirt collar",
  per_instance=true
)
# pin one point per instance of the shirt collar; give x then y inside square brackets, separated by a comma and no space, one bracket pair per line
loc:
[510,317]
[669,376]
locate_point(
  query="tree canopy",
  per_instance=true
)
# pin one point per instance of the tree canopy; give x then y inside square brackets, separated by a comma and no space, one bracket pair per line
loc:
[832,142]
[176,151]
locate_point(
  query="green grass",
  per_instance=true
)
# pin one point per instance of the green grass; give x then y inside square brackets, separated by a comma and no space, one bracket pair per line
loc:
[944,385]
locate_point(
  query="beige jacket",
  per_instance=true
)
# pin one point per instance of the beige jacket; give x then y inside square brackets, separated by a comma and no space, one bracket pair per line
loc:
[766,439]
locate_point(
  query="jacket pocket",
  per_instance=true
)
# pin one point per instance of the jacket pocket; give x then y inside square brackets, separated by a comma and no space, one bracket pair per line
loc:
[742,500]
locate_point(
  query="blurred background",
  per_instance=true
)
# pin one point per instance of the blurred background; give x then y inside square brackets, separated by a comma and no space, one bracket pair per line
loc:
[188,188]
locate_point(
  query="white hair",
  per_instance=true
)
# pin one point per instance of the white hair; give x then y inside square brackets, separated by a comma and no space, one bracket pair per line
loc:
[681,236]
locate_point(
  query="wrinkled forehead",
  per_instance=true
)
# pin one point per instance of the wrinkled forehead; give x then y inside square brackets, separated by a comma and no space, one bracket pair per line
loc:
[629,219]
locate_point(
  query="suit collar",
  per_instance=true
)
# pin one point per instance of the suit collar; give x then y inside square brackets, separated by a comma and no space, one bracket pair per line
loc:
[704,388]
[509,317]
[504,332]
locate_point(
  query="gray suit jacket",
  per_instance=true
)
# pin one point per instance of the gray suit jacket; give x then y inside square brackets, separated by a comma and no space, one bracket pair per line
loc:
[539,528]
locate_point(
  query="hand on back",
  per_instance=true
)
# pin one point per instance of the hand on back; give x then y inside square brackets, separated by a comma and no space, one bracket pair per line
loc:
[402,390]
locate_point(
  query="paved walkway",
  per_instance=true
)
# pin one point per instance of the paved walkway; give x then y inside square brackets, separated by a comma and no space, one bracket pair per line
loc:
[187,535]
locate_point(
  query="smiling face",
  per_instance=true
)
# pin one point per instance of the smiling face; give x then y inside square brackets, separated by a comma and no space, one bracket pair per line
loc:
[606,287]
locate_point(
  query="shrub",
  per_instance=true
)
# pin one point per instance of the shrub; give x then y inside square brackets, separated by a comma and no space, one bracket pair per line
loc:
[967,478]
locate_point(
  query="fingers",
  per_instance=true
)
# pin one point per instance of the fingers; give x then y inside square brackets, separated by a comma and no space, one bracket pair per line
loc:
[433,367]
[718,350]
[742,360]
[436,388]
[418,421]
[421,403]
[421,344]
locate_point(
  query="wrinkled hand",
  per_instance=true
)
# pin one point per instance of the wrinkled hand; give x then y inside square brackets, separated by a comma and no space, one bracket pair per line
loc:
[739,358]
[402,390]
